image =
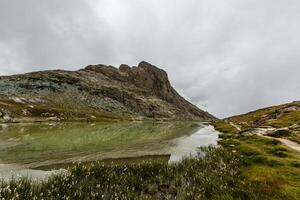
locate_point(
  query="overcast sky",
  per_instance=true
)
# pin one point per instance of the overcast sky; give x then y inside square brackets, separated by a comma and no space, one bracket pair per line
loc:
[226,56]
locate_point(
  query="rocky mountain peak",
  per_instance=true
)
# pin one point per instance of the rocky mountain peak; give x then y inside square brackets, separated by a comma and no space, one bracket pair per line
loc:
[142,91]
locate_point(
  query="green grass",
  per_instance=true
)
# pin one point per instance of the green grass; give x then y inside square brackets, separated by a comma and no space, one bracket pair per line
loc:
[295,136]
[266,162]
[228,131]
[289,134]
[248,119]
[281,133]
[246,167]
[281,118]
[42,112]
[276,116]
[217,175]
[286,119]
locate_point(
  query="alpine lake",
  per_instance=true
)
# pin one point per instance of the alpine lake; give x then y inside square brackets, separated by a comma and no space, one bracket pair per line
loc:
[37,150]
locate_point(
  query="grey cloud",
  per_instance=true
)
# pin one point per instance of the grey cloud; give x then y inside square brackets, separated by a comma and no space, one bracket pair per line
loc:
[227,57]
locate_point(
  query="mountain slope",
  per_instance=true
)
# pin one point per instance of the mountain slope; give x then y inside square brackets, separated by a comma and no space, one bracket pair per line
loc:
[277,121]
[97,92]
[268,141]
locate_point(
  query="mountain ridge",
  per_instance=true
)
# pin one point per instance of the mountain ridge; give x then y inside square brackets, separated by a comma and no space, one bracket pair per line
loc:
[96,92]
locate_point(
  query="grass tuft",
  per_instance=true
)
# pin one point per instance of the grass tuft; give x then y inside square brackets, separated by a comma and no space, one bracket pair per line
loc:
[213,174]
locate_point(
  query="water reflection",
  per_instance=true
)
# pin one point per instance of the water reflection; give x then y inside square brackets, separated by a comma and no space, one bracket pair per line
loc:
[188,145]
[37,145]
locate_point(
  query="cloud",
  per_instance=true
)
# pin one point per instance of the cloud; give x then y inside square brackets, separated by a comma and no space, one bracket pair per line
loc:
[227,57]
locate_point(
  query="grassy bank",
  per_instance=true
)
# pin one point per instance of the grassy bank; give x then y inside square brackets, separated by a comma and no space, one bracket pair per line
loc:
[266,162]
[245,167]
[284,117]
[217,175]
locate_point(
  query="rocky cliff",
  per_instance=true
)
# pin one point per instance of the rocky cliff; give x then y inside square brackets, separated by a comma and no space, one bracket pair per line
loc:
[97,92]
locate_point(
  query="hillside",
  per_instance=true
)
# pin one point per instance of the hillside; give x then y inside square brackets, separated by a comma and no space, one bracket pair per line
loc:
[268,141]
[95,93]
[277,121]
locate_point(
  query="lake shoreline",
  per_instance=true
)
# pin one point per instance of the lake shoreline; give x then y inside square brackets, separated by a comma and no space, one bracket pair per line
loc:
[88,142]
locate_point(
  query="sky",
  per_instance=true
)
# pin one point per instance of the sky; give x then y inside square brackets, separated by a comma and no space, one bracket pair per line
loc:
[226,56]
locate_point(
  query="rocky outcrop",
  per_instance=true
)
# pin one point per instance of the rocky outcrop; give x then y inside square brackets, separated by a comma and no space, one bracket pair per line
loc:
[97,92]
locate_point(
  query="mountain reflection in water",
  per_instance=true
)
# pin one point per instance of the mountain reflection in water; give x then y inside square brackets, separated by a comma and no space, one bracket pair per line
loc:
[28,146]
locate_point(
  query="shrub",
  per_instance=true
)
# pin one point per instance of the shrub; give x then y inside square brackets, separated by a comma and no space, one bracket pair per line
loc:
[280,133]
[295,164]
[273,142]
[280,152]
[274,163]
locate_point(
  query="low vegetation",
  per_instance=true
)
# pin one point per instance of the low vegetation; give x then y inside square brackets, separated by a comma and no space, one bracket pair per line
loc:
[285,118]
[246,166]
[266,162]
[215,175]
[40,112]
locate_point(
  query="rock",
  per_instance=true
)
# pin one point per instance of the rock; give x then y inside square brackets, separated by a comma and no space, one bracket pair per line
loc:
[246,134]
[266,119]
[290,109]
[295,126]
[53,119]
[3,126]
[152,79]
[124,68]
[17,99]
[99,90]
[282,132]
[25,112]
[7,118]
[283,129]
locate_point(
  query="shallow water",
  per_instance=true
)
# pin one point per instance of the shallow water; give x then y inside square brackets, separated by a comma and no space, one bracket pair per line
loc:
[24,147]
